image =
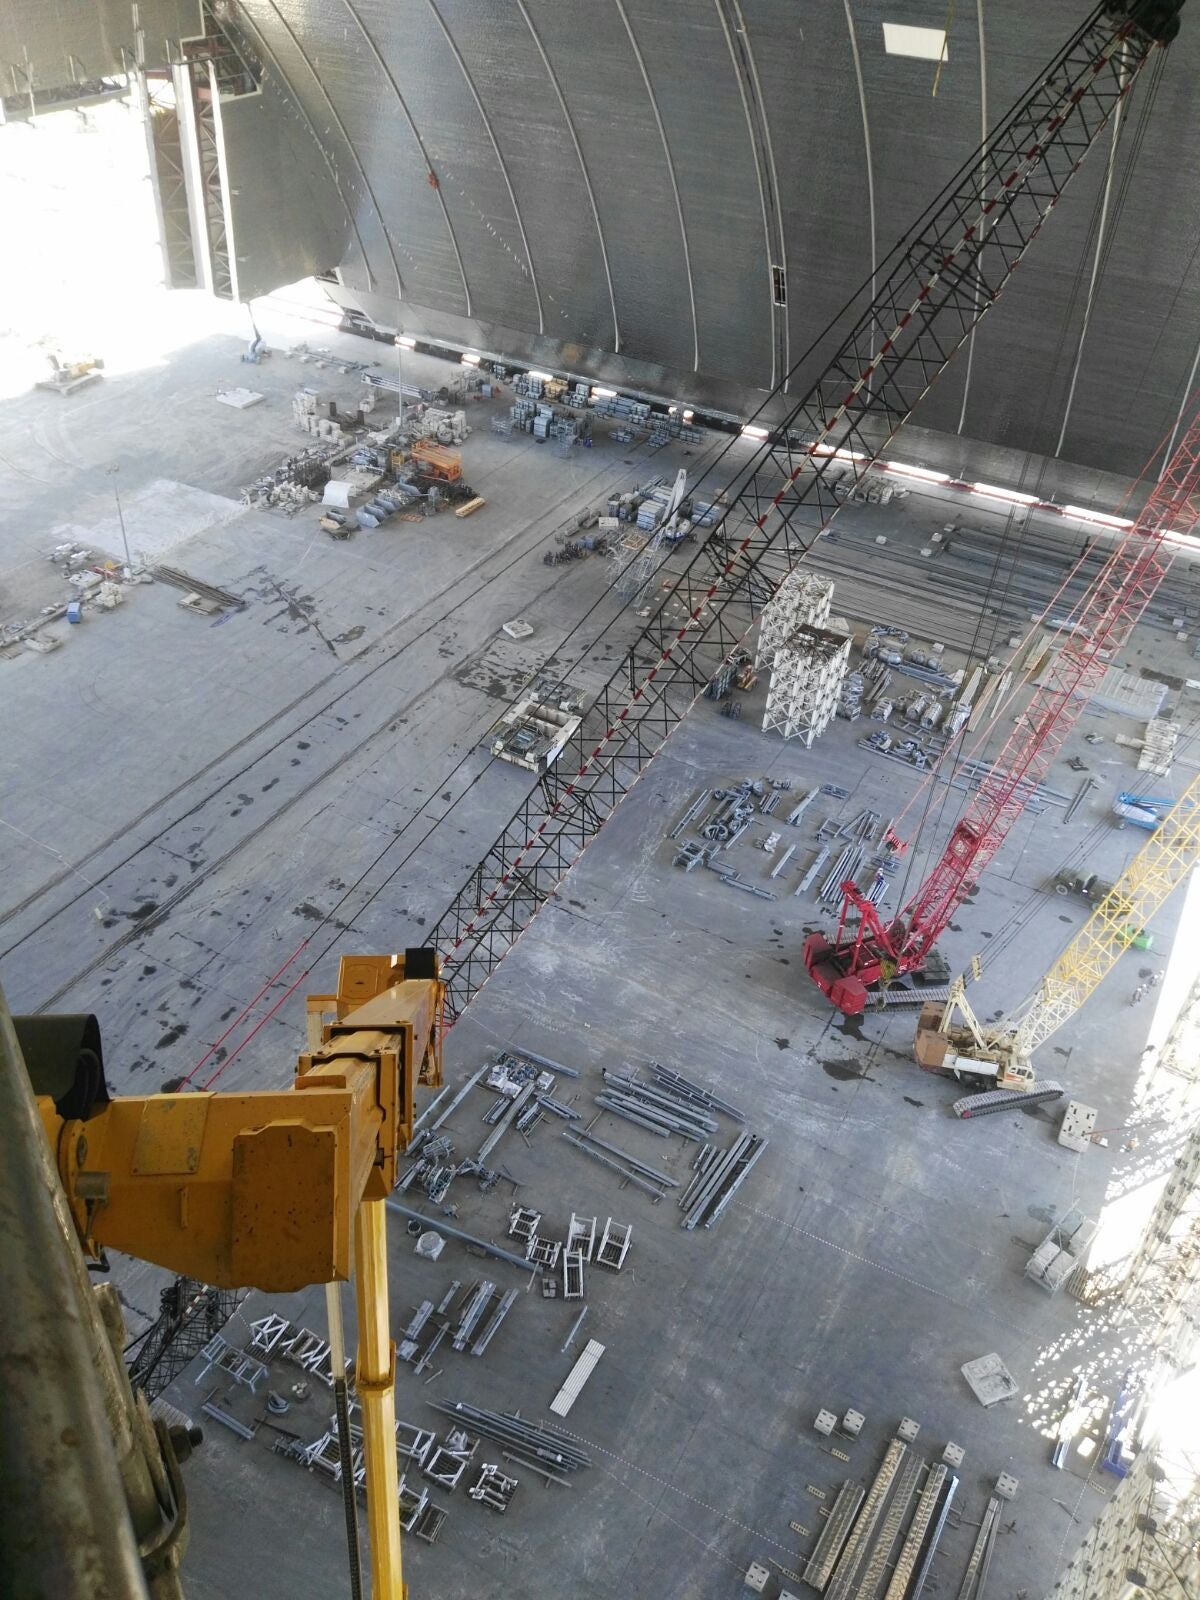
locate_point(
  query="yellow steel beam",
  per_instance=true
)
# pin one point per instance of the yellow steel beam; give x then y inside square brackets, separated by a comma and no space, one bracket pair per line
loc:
[277,1190]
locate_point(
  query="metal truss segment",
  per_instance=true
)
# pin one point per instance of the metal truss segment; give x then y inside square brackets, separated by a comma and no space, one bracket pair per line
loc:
[886,358]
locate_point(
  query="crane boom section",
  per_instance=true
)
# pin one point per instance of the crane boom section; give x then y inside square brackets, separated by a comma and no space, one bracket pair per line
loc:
[1160,866]
[889,346]
[1101,627]
[261,1189]
[1103,623]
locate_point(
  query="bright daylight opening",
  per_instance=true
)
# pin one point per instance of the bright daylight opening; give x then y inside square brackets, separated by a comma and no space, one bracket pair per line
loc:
[927,44]
[78,182]
[1165,1101]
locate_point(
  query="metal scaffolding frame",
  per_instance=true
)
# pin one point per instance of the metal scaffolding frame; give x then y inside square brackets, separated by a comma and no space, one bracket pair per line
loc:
[169,178]
[802,598]
[218,65]
[807,673]
[933,288]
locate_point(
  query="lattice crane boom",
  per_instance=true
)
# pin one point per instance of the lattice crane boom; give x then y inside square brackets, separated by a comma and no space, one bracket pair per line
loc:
[933,288]
[952,1040]
[1167,858]
[1102,624]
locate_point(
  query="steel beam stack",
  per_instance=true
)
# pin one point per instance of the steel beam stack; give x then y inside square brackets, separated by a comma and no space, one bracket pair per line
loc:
[536,1445]
[719,1175]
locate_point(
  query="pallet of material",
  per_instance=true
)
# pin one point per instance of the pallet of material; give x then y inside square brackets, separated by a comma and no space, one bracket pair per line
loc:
[470,506]
[578,1376]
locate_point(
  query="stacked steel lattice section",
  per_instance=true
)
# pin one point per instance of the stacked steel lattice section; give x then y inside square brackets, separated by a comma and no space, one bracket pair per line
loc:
[935,285]
[1101,627]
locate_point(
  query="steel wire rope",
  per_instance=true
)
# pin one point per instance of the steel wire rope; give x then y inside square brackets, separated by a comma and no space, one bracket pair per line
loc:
[980,743]
[1038,622]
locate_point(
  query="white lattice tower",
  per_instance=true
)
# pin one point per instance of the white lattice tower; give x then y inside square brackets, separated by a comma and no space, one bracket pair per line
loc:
[623,551]
[640,571]
[804,598]
[807,670]
[1146,1541]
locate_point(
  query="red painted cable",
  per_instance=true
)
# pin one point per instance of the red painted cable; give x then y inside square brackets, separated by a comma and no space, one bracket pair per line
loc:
[246,1009]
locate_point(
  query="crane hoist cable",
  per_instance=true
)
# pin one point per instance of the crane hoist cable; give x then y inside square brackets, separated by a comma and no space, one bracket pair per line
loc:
[930,829]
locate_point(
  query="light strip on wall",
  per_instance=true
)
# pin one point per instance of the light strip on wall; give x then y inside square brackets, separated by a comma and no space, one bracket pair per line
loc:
[752,432]
[1096,516]
[1013,495]
[841,455]
[923,473]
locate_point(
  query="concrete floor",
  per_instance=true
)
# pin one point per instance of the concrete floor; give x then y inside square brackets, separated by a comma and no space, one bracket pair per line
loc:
[193,799]
[878,1245]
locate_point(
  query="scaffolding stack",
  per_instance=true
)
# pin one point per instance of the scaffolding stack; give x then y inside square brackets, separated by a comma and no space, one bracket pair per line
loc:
[804,598]
[807,670]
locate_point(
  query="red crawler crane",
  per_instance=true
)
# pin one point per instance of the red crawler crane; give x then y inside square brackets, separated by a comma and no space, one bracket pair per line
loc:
[865,952]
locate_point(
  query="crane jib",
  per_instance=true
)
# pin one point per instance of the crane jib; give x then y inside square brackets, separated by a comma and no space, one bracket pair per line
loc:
[893,338]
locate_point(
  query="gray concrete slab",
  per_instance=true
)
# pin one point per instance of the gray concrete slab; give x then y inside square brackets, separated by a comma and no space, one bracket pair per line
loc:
[877,1246]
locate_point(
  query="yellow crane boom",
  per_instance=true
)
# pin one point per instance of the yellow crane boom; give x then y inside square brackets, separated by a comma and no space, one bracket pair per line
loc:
[1159,867]
[1004,1049]
[271,1189]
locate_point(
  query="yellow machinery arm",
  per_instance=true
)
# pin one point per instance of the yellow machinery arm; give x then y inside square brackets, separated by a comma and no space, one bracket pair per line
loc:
[260,1189]
[276,1189]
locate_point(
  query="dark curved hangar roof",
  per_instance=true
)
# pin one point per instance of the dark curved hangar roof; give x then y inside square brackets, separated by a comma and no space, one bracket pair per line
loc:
[628,189]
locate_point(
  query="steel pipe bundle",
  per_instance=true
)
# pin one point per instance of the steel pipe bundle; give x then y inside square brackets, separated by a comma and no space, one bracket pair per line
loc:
[542,1061]
[651,1186]
[655,1118]
[686,1090]
[615,1150]
[629,1114]
[634,1088]
[523,1095]
[847,865]
[548,1450]
[556,1108]
[719,1179]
